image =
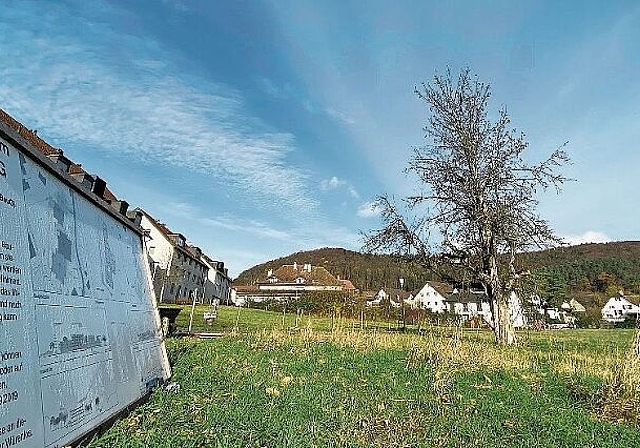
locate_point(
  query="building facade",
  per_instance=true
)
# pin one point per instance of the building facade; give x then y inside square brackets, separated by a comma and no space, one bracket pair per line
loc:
[289,282]
[179,274]
[619,309]
[217,285]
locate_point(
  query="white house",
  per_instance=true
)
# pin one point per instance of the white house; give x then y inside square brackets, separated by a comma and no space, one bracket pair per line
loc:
[517,311]
[383,296]
[469,303]
[576,306]
[475,303]
[618,309]
[432,297]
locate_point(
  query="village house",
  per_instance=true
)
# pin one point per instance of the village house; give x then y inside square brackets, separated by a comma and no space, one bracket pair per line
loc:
[469,303]
[466,302]
[347,286]
[576,306]
[177,268]
[394,297]
[431,297]
[619,309]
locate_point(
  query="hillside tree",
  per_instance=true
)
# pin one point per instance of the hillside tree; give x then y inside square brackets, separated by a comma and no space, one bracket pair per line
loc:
[476,189]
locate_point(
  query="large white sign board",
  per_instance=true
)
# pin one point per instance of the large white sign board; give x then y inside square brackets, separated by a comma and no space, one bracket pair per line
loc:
[79,329]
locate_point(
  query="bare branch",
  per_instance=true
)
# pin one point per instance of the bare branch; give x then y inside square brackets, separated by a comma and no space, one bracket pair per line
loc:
[476,188]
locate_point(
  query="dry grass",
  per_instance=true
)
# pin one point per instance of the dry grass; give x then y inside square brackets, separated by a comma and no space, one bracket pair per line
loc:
[458,349]
[621,396]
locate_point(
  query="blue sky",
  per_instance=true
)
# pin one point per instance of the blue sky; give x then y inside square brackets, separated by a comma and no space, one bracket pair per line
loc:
[261,128]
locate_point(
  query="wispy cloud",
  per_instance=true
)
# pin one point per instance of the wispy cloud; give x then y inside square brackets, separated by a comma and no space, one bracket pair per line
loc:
[252,227]
[334,183]
[589,236]
[145,110]
[273,90]
[340,116]
[368,210]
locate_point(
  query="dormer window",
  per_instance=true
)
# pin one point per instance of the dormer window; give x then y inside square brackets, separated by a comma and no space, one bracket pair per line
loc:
[273,280]
[300,280]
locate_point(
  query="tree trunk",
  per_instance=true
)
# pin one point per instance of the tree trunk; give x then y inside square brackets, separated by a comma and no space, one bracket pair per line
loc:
[507,331]
[503,329]
[637,344]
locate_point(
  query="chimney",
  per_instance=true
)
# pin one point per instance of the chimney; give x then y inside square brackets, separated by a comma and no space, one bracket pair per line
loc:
[62,163]
[270,273]
[120,206]
[99,186]
[135,216]
[295,265]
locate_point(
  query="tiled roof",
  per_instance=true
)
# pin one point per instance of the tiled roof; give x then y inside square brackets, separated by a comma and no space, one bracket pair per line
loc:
[28,135]
[109,196]
[443,289]
[170,235]
[347,285]
[246,288]
[74,168]
[160,225]
[467,296]
[318,275]
[394,293]
[46,149]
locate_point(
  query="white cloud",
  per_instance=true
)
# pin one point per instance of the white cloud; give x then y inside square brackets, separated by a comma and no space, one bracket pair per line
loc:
[243,226]
[334,183]
[589,236]
[368,210]
[331,184]
[340,116]
[150,111]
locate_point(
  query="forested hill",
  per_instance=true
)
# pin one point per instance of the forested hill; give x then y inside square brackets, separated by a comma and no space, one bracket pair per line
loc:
[601,268]
[588,267]
[366,271]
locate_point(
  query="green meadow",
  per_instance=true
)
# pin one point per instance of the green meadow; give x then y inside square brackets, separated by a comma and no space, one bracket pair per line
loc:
[285,380]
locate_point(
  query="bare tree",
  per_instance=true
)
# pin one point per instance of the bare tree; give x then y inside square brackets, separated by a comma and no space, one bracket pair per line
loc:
[476,189]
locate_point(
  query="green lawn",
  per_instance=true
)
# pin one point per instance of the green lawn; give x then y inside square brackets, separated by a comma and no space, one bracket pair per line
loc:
[247,320]
[299,384]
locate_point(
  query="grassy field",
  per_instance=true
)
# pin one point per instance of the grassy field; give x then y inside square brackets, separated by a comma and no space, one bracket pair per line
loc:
[287,381]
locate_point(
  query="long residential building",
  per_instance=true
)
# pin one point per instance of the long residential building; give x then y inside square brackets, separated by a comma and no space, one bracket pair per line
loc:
[178,270]
[290,281]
